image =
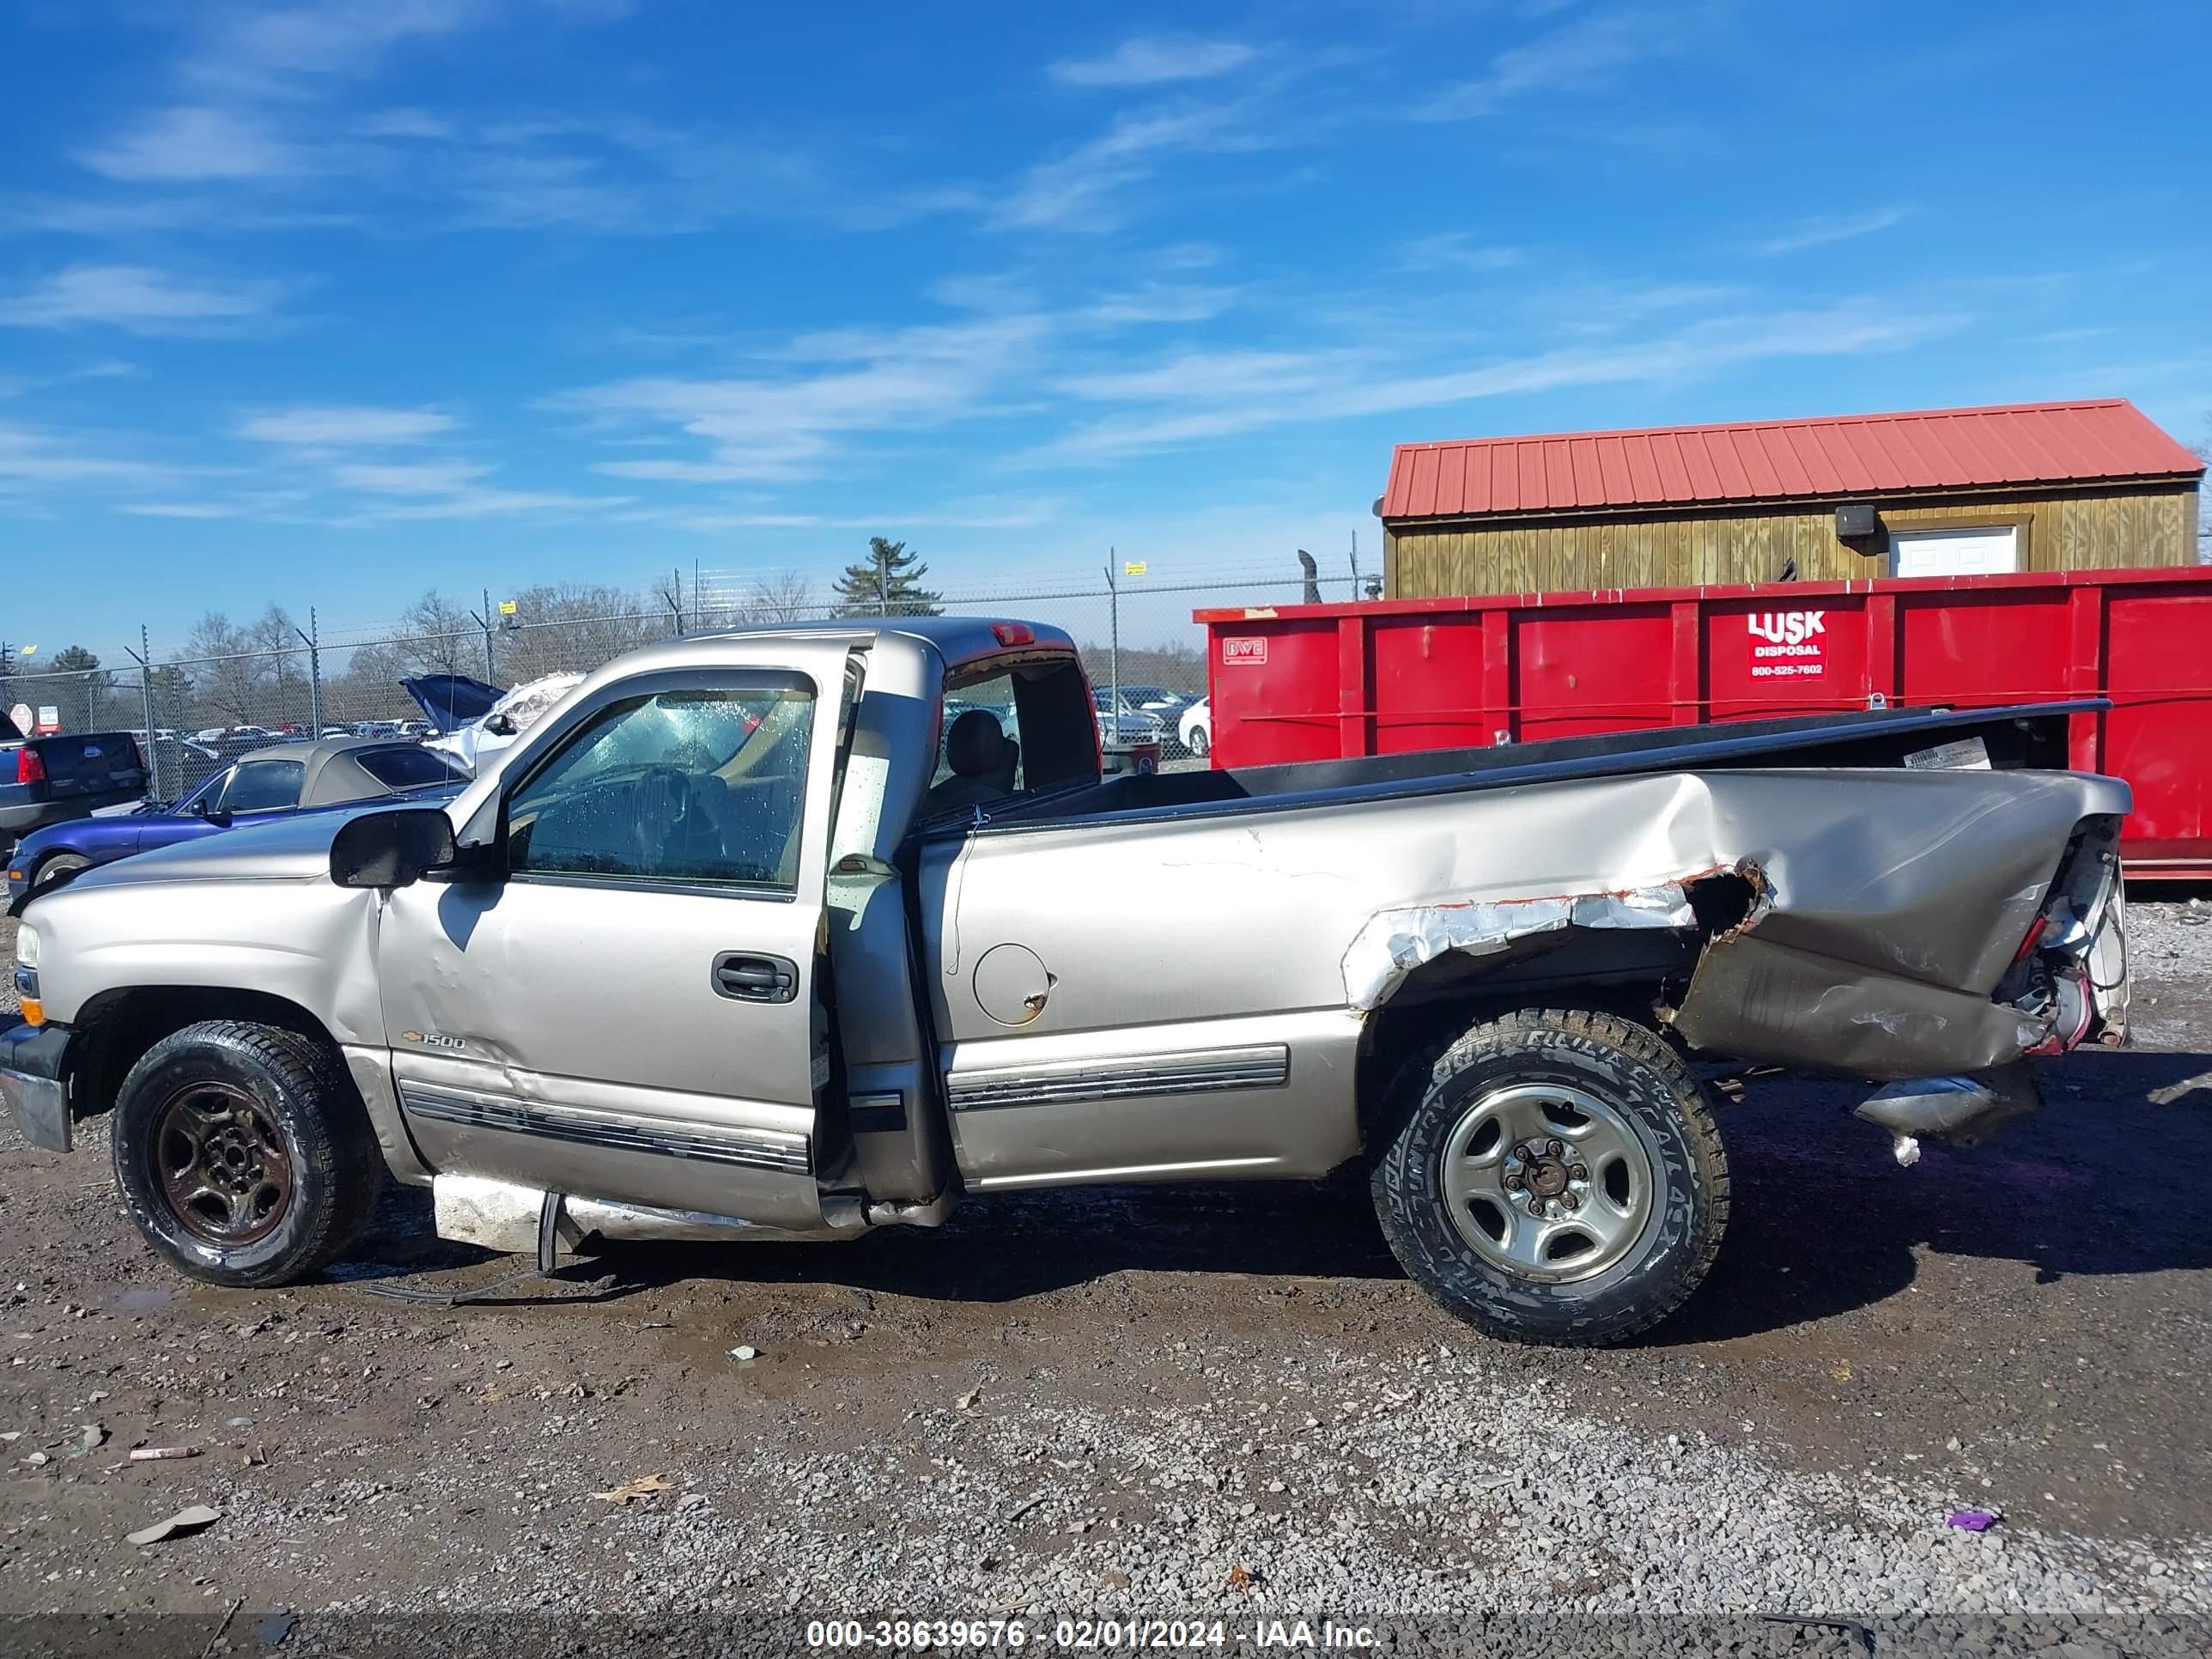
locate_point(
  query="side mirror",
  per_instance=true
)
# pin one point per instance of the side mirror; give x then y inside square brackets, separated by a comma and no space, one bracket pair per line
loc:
[392,849]
[500,725]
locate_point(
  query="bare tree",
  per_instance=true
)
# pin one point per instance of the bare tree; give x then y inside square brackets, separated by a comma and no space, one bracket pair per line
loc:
[368,688]
[570,627]
[786,597]
[226,674]
[442,637]
[667,593]
[286,677]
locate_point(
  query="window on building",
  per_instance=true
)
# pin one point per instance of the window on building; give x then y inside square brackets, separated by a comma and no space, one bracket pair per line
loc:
[1985,550]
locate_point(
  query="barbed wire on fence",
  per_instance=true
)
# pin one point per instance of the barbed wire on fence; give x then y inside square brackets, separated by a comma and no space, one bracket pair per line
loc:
[193,709]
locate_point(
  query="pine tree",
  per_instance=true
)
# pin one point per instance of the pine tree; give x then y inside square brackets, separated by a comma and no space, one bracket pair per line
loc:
[80,687]
[889,584]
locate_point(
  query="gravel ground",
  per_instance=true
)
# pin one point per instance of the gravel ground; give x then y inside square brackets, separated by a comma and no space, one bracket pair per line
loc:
[1218,1402]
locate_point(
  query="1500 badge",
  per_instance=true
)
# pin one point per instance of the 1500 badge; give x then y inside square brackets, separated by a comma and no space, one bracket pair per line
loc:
[434,1040]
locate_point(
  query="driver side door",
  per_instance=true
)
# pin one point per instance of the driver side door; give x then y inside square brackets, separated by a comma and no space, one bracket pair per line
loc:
[626,1006]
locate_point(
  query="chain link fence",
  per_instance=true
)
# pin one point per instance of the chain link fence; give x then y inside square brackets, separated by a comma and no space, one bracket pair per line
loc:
[196,707]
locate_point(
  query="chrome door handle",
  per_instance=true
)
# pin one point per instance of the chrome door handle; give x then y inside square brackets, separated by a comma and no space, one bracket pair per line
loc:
[745,977]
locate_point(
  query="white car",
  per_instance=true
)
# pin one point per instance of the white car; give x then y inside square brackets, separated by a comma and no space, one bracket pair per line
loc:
[1195,728]
[473,743]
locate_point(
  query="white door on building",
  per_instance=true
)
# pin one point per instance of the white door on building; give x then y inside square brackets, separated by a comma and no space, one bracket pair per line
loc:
[1987,551]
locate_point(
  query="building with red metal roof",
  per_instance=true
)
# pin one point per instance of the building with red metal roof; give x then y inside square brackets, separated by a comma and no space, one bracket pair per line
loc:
[2093,484]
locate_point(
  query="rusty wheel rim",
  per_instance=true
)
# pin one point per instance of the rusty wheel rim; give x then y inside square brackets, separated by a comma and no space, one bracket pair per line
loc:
[221,1164]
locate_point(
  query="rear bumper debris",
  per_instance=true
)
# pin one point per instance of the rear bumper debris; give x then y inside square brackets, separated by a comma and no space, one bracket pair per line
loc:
[1959,1109]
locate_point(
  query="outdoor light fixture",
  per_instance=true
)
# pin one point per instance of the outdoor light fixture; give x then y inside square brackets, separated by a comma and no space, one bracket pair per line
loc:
[1856,522]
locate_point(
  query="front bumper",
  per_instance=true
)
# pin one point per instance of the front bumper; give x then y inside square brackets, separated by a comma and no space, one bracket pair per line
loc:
[35,1082]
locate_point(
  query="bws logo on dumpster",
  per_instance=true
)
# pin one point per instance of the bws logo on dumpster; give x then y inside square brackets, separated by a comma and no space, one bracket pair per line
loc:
[1788,644]
[1248,648]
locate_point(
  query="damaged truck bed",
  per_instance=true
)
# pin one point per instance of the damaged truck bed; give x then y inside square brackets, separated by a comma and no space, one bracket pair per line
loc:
[799,933]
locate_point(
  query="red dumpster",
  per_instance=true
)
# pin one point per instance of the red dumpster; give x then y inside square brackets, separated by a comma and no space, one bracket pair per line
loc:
[1326,681]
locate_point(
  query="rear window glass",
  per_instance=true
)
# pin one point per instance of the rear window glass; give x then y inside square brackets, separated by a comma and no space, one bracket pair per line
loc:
[409,769]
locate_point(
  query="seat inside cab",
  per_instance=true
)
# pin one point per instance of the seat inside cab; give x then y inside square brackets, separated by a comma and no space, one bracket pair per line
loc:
[1011,732]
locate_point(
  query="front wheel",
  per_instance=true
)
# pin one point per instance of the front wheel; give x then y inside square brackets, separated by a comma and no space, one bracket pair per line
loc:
[56,868]
[1552,1177]
[244,1154]
[1200,741]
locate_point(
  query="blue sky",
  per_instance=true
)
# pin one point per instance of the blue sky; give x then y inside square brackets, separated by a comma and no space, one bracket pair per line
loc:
[329,304]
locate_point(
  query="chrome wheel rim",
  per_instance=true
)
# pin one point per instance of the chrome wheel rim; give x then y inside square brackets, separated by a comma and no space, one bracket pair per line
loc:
[221,1164]
[1547,1183]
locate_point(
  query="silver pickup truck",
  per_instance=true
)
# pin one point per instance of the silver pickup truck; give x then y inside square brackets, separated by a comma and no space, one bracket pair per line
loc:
[744,937]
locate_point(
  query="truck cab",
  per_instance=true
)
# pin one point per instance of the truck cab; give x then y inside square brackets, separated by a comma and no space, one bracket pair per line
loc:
[622,983]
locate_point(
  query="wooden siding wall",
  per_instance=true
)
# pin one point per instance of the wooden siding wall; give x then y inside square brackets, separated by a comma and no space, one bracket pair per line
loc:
[2149,525]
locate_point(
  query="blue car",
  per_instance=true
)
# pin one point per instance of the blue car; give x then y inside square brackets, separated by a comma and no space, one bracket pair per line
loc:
[273,781]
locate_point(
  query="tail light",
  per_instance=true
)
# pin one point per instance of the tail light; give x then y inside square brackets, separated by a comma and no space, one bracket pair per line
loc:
[30,766]
[2034,938]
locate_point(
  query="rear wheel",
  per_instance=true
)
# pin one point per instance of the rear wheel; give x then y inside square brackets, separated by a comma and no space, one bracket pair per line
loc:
[243,1154]
[1552,1177]
[53,869]
[1200,741]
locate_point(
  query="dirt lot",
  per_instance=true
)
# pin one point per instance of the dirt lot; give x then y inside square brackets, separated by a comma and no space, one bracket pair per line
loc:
[1152,1402]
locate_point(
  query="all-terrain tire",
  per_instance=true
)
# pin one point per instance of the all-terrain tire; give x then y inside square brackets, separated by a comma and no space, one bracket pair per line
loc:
[229,1107]
[1641,1089]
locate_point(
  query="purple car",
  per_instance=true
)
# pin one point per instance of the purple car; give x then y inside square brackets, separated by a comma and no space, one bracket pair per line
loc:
[259,785]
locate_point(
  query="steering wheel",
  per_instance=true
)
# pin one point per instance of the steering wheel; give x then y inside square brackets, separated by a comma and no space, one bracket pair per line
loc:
[665,803]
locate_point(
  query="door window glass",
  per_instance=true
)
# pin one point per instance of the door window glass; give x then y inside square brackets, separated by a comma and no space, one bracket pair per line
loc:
[207,797]
[691,787]
[269,785]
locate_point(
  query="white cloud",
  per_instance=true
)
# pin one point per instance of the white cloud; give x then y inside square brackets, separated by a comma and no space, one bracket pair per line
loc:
[31,456]
[1206,395]
[134,214]
[1211,376]
[284,51]
[181,509]
[783,427]
[198,144]
[475,502]
[1458,249]
[1161,302]
[1585,56]
[405,123]
[1820,232]
[404,490]
[344,425]
[1072,192]
[141,301]
[988,513]
[409,478]
[1149,60]
[667,470]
